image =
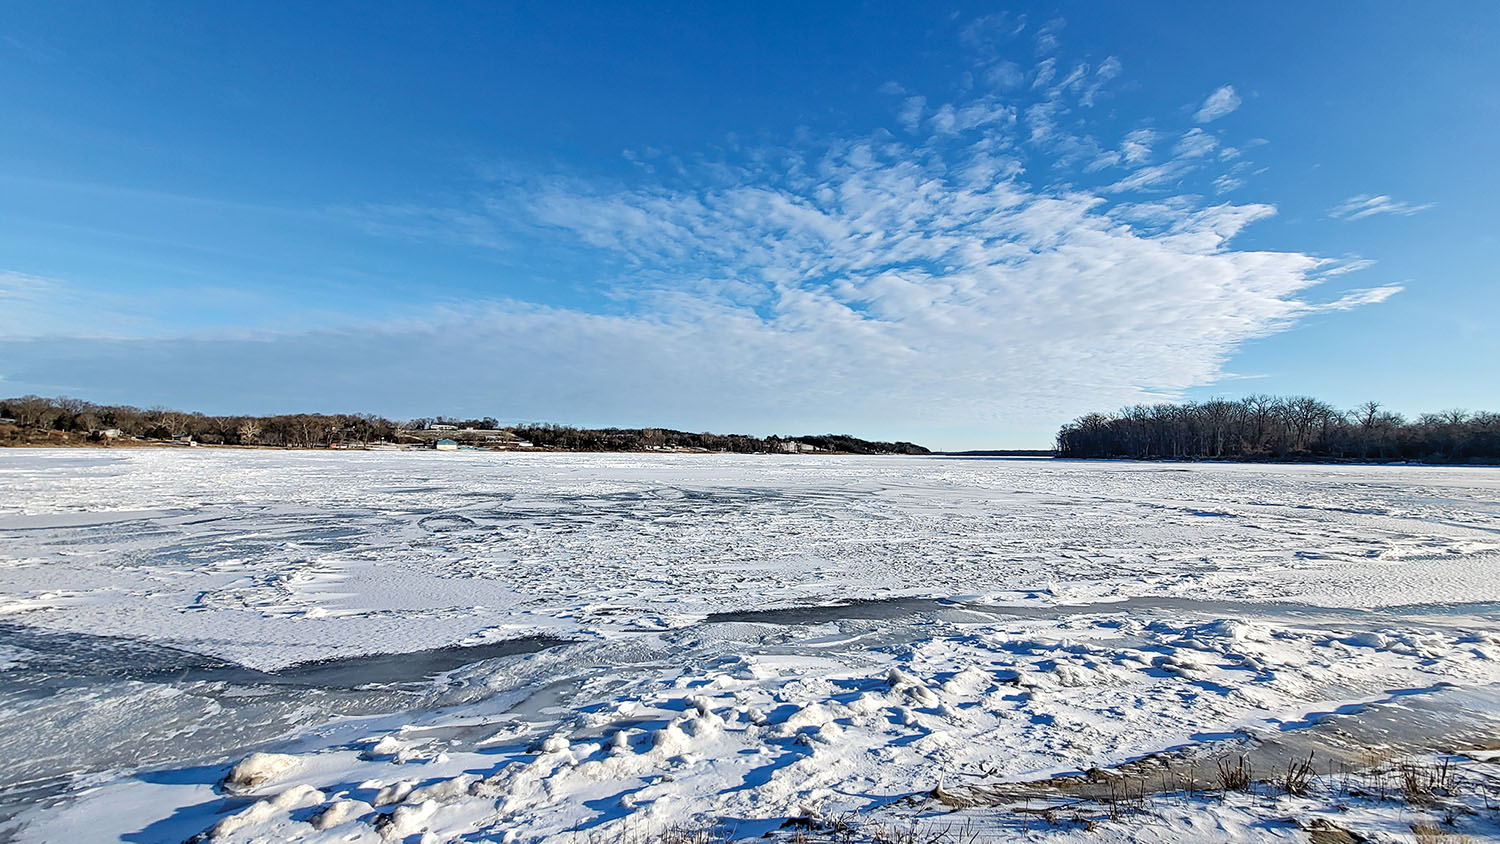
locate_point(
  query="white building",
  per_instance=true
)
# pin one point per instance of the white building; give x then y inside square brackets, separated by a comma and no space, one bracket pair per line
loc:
[445,445]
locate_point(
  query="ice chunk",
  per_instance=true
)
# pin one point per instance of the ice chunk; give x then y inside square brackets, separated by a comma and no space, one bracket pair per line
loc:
[443,791]
[387,746]
[394,793]
[296,797]
[1368,639]
[406,820]
[337,813]
[257,769]
[812,715]
[898,678]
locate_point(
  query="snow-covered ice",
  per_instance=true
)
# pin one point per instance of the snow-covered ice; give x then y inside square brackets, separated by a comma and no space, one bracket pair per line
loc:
[598,646]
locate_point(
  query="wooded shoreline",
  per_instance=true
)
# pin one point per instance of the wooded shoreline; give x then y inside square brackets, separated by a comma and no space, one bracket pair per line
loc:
[35,420]
[1300,429]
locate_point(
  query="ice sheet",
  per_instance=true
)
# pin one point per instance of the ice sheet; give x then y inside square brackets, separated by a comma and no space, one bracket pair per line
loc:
[1084,613]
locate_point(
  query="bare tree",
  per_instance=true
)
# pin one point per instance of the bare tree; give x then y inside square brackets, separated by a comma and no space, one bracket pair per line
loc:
[248,431]
[1298,427]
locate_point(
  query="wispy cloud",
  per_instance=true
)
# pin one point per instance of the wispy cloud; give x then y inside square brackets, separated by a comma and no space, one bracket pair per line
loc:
[1137,146]
[1102,76]
[35,306]
[910,115]
[1005,75]
[1219,103]
[955,273]
[1368,205]
[1195,143]
[1225,183]
[1358,298]
[1047,40]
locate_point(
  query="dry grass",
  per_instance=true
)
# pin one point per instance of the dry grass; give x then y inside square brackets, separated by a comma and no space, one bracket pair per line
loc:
[1430,834]
[1421,783]
[695,835]
[1298,777]
[711,833]
[1138,789]
[848,829]
[1236,777]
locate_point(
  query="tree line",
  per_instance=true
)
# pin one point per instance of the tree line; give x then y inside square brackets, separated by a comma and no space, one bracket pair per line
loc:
[40,419]
[306,430]
[1262,427]
[649,439]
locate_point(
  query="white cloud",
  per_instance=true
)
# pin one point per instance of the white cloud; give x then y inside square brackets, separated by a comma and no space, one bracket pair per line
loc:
[1107,70]
[884,285]
[1105,159]
[1219,103]
[1196,143]
[820,285]
[1152,177]
[1137,146]
[1041,124]
[1368,205]
[945,120]
[1358,298]
[910,115]
[1224,183]
[1047,40]
[1005,75]
[1045,71]
[1337,266]
[33,306]
[987,33]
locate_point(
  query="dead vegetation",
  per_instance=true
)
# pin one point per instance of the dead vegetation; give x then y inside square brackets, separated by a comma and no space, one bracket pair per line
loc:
[1298,777]
[1422,784]
[848,828]
[707,833]
[1237,777]
[1431,834]
[1142,789]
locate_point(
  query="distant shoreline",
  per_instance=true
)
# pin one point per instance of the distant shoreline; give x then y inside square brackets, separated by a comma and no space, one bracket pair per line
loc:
[1245,461]
[390,448]
[64,421]
[1025,454]
[999,452]
[1278,461]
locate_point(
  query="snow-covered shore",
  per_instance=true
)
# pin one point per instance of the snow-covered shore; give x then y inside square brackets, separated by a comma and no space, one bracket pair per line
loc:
[1016,619]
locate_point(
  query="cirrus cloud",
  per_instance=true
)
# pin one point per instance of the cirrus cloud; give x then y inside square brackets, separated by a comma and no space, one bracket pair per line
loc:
[1219,103]
[1368,205]
[998,265]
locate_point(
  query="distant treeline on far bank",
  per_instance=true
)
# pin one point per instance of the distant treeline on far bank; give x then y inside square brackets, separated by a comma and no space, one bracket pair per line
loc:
[35,420]
[1281,428]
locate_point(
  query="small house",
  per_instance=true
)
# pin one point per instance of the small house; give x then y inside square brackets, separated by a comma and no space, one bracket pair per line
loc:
[445,445]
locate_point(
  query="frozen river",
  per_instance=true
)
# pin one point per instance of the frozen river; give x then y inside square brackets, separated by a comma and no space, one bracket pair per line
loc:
[466,646]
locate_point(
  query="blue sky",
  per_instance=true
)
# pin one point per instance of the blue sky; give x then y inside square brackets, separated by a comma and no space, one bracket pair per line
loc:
[959,225]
